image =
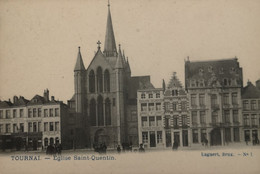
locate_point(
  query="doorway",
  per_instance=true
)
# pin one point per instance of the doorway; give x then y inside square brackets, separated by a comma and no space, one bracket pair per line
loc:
[152,139]
[215,137]
[185,141]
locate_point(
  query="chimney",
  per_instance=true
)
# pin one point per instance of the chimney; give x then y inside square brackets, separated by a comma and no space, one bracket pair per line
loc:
[46,95]
[52,98]
[257,84]
[15,99]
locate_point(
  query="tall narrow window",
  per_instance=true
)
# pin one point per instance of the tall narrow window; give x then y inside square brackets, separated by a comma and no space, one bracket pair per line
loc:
[234,98]
[92,112]
[214,117]
[108,111]
[107,81]
[202,117]
[100,111]
[99,80]
[194,117]
[193,100]
[91,81]
[226,99]
[226,118]
[214,100]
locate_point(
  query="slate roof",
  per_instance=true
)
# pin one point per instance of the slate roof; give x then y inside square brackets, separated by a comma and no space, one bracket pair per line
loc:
[250,92]
[217,69]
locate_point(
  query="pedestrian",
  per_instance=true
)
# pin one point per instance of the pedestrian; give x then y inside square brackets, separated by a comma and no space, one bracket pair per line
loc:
[141,149]
[118,148]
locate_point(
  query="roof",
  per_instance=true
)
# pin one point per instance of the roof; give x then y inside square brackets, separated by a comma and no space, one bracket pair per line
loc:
[79,64]
[250,92]
[215,70]
[21,101]
[5,104]
[138,83]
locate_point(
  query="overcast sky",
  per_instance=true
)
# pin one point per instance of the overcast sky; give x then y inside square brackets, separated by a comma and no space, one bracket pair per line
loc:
[39,39]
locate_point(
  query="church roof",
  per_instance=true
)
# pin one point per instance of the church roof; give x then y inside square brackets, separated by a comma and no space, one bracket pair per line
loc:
[110,42]
[79,64]
[250,91]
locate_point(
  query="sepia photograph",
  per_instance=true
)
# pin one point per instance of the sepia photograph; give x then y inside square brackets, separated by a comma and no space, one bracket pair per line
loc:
[117,86]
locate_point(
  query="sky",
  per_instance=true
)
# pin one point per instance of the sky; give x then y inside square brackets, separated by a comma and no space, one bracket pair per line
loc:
[39,39]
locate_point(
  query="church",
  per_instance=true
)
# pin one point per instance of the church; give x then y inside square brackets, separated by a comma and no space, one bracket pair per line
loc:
[104,104]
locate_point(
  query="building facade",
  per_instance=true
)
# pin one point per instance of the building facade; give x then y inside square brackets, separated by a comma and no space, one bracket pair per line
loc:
[105,96]
[32,124]
[251,113]
[214,91]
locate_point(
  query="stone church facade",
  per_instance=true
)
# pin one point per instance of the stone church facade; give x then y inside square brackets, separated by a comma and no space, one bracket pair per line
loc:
[104,101]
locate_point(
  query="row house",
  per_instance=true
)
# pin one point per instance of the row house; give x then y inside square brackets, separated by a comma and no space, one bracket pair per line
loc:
[214,91]
[32,124]
[251,112]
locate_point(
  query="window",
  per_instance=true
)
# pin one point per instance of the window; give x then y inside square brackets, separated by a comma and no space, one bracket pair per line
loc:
[100,111]
[92,112]
[225,82]
[245,105]
[39,127]
[1,114]
[175,121]
[226,118]
[8,128]
[151,106]
[7,114]
[235,116]
[253,120]
[158,121]
[184,120]
[167,106]
[195,136]
[246,120]
[194,117]
[175,92]
[150,95]
[108,111]
[1,128]
[114,101]
[45,141]
[203,135]
[226,99]
[145,137]
[51,126]
[51,112]
[183,106]
[22,127]
[14,128]
[193,100]
[57,126]
[158,106]
[202,117]
[144,122]
[34,112]
[45,112]
[143,106]
[234,98]
[21,113]
[151,121]
[157,95]
[29,113]
[236,135]
[57,113]
[99,80]
[201,99]
[14,113]
[106,81]
[214,100]
[214,117]
[258,104]
[167,122]
[34,127]
[39,112]
[92,82]
[159,136]
[174,106]
[29,127]
[253,105]
[45,127]
[143,96]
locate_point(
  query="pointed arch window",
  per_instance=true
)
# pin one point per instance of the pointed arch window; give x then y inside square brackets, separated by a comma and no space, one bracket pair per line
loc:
[92,112]
[108,111]
[91,81]
[107,81]
[100,111]
[99,80]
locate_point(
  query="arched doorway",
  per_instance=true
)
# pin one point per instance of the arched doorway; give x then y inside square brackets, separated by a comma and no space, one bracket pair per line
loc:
[101,137]
[215,137]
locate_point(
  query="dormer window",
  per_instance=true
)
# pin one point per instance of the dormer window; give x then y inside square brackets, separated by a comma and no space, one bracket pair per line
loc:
[201,71]
[150,95]
[210,69]
[143,96]
[225,81]
[157,95]
[201,83]
[232,70]
[221,71]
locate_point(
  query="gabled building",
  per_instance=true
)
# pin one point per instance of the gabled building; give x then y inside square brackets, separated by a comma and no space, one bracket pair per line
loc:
[105,96]
[176,119]
[251,112]
[32,124]
[214,90]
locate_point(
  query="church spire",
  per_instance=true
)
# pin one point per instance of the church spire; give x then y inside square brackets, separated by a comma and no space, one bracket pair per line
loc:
[110,42]
[79,64]
[119,60]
